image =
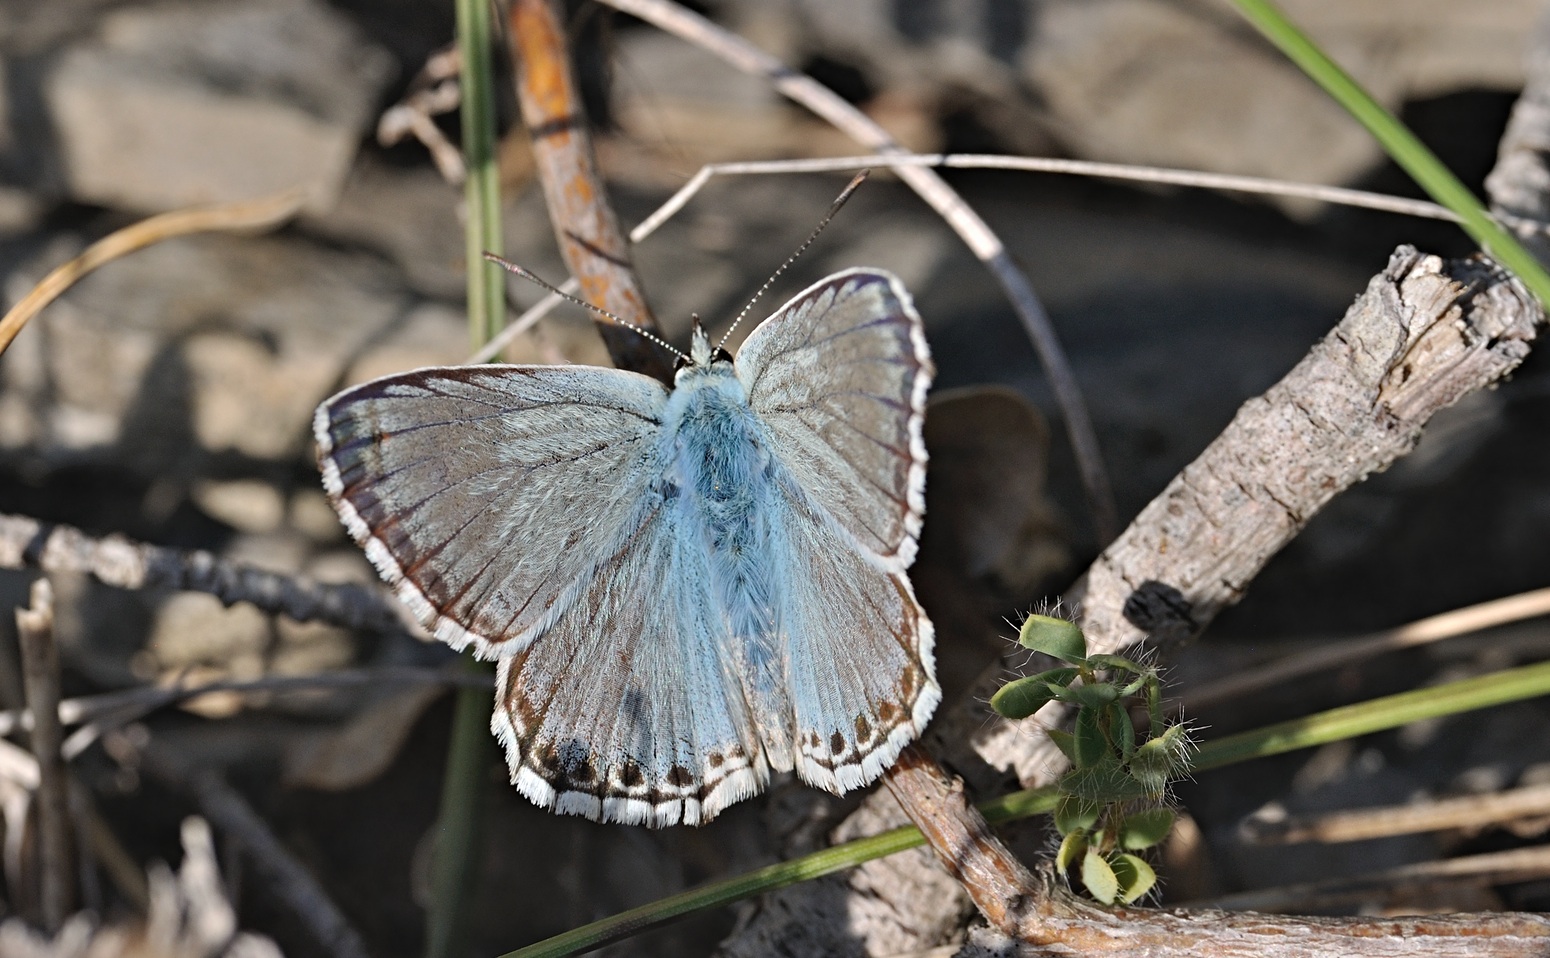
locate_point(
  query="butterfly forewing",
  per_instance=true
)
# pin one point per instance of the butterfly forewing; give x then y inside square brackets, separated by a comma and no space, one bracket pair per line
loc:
[487,495]
[628,709]
[839,377]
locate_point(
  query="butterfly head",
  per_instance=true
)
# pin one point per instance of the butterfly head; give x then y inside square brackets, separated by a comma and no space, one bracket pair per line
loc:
[702,355]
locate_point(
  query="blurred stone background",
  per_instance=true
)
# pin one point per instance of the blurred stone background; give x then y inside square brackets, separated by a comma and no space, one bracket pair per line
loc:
[168,397]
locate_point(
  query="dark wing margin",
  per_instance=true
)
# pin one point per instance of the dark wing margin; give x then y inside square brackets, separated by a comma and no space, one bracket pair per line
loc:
[484,494]
[839,376]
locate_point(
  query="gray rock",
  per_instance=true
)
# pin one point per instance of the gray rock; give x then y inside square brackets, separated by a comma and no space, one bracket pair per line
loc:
[194,348]
[1178,85]
[189,103]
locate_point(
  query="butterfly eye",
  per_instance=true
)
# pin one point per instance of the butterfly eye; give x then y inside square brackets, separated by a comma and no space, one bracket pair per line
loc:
[722,356]
[681,363]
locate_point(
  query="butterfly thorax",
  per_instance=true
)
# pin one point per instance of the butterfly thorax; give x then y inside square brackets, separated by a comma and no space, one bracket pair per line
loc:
[719,459]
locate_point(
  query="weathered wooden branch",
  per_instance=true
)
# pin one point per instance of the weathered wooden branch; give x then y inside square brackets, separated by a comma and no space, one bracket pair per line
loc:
[27,543]
[1067,926]
[585,226]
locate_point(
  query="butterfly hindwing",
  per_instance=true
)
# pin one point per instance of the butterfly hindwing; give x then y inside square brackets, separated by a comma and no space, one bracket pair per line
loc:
[486,495]
[861,668]
[628,708]
[839,377]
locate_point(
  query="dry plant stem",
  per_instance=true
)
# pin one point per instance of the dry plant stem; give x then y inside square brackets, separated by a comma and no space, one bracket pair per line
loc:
[935,801]
[588,233]
[286,880]
[1397,884]
[257,214]
[27,543]
[40,679]
[1434,628]
[968,224]
[1081,928]
[1042,164]
[1469,813]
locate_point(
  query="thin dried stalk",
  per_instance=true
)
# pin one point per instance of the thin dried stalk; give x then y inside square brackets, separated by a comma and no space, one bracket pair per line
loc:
[1435,628]
[1469,813]
[248,215]
[40,679]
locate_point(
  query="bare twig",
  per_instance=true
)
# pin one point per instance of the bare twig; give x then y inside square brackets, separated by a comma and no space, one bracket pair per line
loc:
[1434,628]
[110,710]
[257,214]
[588,232]
[1040,164]
[27,543]
[433,91]
[40,678]
[285,878]
[968,224]
[935,801]
[1469,813]
[1076,927]
[1492,868]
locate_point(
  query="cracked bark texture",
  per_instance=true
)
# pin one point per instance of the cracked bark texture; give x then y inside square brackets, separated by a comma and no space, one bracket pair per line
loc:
[1424,333]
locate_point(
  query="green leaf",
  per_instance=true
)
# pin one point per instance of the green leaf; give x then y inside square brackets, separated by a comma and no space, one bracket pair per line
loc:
[1064,741]
[1121,731]
[1090,743]
[1106,782]
[1021,698]
[1094,695]
[1140,682]
[1134,875]
[1073,845]
[1103,660]
[1150,769]
[1147,828]
[1059,678]
[1076,814]
[1057,637]
[1099,877]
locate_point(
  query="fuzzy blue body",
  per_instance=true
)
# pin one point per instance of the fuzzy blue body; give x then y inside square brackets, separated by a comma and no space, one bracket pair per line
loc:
[724,491]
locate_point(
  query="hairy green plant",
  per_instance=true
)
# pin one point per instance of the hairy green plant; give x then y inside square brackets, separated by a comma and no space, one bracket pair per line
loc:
[1112,801]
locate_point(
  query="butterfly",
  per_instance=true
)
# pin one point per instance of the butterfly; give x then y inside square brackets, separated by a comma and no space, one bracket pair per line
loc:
[686,590]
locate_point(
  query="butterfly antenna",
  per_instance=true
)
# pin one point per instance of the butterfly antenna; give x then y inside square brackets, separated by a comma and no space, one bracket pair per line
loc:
[533,277]
[834,208]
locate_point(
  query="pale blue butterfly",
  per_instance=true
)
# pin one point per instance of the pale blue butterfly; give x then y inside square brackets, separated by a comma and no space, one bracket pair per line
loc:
[685,589]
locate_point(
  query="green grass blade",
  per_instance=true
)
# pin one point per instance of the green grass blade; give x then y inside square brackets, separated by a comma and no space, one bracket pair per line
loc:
[1409,152]
[1391,711]
[724,892]
[456,863]
[1349,721]
[481,191]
